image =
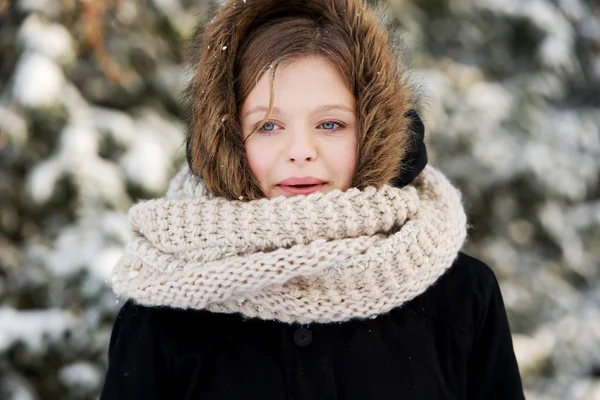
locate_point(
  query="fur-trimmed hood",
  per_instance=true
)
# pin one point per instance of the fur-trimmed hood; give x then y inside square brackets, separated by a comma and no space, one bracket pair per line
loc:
[390,133]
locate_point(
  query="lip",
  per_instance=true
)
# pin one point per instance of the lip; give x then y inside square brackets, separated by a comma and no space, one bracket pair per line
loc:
[290,185]
[294,190]
[306,180]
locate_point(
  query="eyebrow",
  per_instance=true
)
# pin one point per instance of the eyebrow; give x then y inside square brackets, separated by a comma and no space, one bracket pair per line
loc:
[324,108]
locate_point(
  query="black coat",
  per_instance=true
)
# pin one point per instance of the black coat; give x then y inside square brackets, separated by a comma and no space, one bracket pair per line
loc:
[451,342]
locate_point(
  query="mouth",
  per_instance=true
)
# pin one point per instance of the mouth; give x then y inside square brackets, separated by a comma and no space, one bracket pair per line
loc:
[301,189]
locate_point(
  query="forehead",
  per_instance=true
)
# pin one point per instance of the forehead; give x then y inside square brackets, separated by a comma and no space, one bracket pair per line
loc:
[306,82]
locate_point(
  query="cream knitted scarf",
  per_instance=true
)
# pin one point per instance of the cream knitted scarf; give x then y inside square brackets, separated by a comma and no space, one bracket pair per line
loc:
[316,258]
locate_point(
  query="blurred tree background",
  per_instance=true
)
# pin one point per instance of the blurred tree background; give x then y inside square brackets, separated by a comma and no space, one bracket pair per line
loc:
[91,120]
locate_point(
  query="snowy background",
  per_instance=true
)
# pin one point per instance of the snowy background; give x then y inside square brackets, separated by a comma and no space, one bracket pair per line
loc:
[91,121]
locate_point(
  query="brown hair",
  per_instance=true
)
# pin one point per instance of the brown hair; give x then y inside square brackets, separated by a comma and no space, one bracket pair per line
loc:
[245,40]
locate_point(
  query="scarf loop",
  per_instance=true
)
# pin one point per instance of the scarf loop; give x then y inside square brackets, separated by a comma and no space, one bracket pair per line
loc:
[319,258]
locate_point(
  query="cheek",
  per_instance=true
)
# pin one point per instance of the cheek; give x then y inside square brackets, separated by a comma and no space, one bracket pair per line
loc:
[259,159]
[343,160]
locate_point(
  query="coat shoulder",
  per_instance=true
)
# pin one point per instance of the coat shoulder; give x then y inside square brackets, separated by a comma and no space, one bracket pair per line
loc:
[460,298]
[470,275]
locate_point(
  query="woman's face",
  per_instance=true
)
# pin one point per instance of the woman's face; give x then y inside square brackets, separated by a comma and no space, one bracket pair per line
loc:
[309,142]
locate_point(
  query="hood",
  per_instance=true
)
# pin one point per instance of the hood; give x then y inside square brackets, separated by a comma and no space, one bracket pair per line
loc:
[391,149]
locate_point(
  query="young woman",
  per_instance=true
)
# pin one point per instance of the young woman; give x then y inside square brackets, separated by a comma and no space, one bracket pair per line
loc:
[306,251]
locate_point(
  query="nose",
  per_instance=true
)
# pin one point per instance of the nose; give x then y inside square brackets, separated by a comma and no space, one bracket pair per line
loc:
[302,146]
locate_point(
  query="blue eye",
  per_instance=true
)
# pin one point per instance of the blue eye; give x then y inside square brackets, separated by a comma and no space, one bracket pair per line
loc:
[268,126]
[332,125]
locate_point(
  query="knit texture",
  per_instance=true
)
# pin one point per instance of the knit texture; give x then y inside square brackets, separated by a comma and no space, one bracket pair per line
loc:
[316,258]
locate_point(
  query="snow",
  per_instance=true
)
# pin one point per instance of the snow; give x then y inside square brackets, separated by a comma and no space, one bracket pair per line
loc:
[596,67]
[103,264]
[99,239]
[493,155]
[556,52]
[557,49]
[14,125]
[564,151]
[508,7]
[38,81]
[52,40]
[532,352]
[590,28]
[127,11]
[574,9]
[562,232]
[491,99]
[78,108]
[78,142]
[33,328]
[98,180]
[42,180]
[17,388]
[77,157]
[118,125]
[83,375]
[180,20]
[44,7]
[556,171]
[484,106]
[168,6]
[147,163]
[94,177]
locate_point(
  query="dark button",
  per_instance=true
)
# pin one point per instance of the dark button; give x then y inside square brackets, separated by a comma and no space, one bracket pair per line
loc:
[303,337]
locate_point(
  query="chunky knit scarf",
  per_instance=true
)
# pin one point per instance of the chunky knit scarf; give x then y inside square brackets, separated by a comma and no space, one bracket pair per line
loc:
[316,258]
